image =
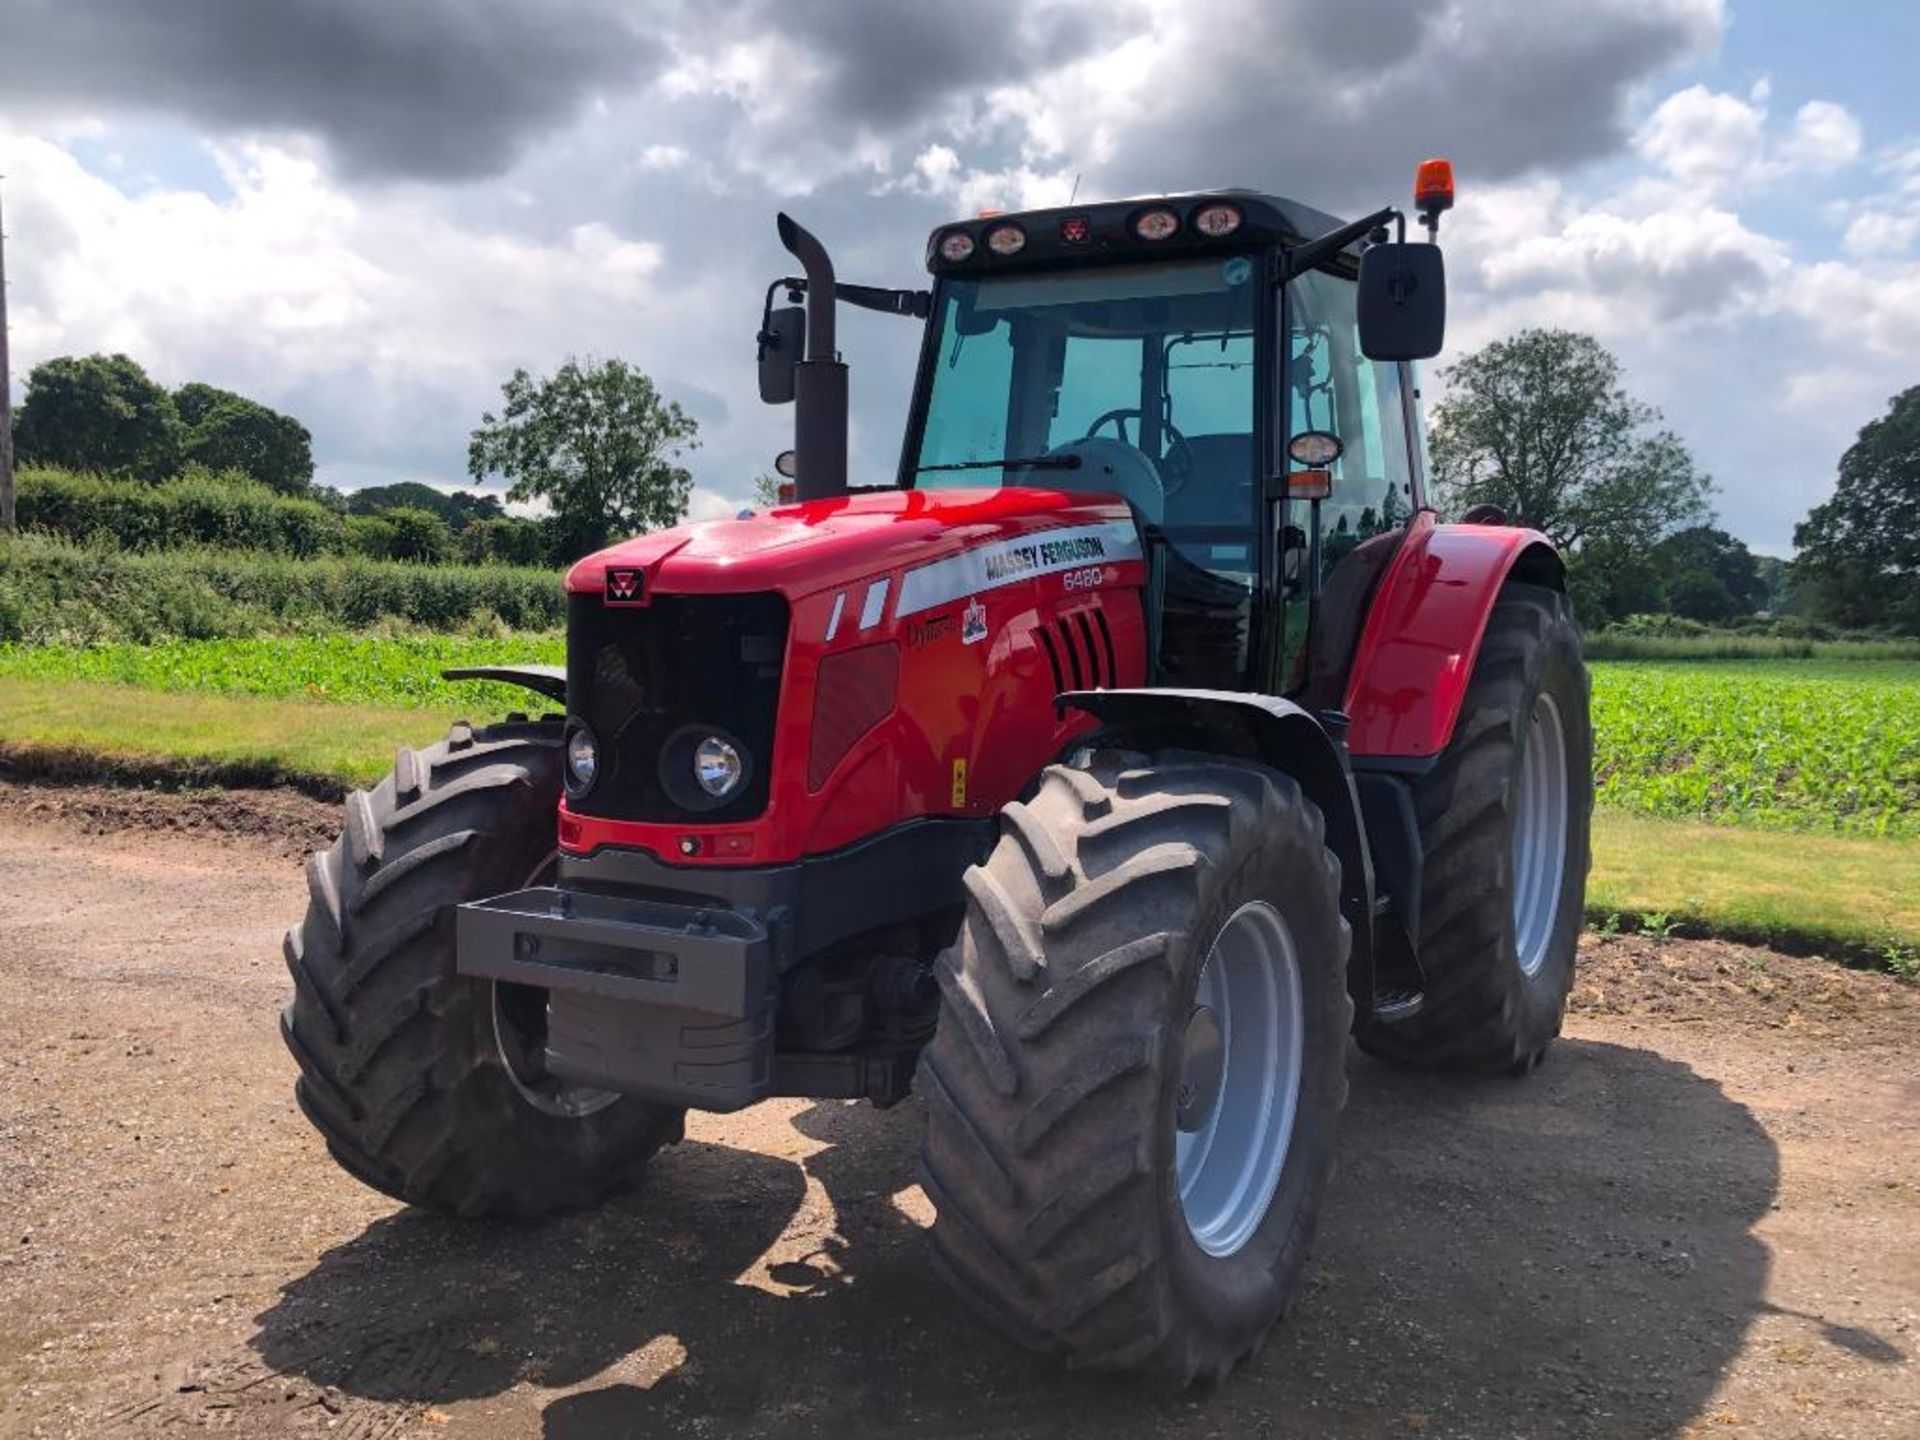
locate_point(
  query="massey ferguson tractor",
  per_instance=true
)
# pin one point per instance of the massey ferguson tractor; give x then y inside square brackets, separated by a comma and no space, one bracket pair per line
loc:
[1094,778]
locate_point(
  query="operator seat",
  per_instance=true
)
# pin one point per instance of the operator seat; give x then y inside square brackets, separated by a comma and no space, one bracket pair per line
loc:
[1111,467]
[1220,485]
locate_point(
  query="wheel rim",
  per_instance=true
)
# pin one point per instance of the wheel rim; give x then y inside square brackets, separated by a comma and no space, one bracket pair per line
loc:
[1239,1083]
[1539,835]
[520,1037]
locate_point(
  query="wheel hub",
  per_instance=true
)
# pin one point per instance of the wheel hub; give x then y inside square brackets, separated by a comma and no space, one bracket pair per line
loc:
[1204,1058]
[1239,1084]
[1540,806]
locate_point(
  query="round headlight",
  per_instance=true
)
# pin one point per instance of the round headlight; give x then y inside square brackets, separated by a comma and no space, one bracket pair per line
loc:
[1217,221]
[1006,239]
[718,767]
[583,758]
[955,246]
[1156,224]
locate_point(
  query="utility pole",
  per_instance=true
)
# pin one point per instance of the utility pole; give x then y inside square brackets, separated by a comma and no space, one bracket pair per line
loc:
[6,396]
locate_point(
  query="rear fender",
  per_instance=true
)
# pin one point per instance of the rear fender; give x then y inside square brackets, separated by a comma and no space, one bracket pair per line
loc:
[1274,732]
[1416,654]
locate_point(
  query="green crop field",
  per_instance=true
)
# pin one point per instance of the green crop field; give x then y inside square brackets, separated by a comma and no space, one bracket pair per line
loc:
[1786,745]
[341,669]
[1790,745]
[1700,766]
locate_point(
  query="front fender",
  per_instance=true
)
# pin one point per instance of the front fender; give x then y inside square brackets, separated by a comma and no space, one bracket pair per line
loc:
[1415,656]
[1277,733]
[547,680]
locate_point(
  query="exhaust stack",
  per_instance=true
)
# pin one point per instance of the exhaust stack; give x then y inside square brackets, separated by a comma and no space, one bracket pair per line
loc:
[819,380]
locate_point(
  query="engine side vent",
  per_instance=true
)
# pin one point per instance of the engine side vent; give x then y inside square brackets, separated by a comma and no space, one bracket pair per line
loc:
[855,691]
[1079,650]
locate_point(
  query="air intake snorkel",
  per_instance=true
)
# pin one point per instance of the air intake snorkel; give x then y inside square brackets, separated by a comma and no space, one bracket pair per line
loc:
[819,380]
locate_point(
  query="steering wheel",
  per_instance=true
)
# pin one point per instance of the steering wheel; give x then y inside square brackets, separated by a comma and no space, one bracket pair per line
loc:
[1176,466]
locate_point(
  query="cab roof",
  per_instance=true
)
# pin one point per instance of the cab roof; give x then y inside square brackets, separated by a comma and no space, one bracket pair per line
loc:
[1109,231]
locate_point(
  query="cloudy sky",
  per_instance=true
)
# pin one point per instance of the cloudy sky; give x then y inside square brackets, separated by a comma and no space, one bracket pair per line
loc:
[367,213]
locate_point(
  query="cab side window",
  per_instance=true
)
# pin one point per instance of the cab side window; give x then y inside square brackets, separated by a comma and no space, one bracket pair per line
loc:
[1333,387]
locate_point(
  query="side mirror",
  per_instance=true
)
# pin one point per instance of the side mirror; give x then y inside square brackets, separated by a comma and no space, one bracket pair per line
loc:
[782,343]
[1402,301]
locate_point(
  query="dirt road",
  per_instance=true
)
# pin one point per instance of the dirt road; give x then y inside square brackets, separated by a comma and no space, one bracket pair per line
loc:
[1702,1217]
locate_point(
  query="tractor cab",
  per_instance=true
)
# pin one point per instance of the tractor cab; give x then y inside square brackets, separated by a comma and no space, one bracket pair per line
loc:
[1203,358]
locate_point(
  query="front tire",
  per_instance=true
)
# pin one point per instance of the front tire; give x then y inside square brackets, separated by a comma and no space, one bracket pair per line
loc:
[426,1084]
[1151,950]
[1504,819]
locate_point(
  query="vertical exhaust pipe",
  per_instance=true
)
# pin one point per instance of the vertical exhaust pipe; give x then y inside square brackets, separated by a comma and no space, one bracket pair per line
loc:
[819,380]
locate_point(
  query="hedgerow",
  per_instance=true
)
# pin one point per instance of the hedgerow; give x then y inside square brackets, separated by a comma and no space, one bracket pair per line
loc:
[53,591]
[201,507]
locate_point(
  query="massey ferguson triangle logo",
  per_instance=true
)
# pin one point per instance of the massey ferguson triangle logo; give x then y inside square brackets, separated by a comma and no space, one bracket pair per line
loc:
[623,586]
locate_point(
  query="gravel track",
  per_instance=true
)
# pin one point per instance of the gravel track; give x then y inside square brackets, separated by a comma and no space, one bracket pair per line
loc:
[1701,1218]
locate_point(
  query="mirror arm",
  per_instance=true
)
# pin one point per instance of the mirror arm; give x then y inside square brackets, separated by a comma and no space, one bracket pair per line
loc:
[915,303]
[1307,255]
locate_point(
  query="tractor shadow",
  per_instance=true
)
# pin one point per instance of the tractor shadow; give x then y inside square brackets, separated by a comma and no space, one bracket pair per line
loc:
[1573,1253]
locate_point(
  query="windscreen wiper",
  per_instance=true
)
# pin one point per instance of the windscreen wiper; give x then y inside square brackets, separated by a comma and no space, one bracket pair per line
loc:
[1037,462]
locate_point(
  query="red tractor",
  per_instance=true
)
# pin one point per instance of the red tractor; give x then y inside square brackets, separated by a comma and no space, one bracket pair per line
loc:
[1145,737]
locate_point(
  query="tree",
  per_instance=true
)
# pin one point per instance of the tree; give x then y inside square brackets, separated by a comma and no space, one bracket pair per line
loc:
[766,490]
[459,509]
[100,413]
[225,431]
[1859,560]
[1610,580]
[1708,575]
[418,535]
[1540,426]
[1776,578]
[597,442]
[508,540]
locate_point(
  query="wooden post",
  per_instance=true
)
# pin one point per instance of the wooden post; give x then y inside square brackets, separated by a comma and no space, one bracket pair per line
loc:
[6,398]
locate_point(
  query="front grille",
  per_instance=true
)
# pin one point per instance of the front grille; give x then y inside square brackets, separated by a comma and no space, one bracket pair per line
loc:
[637,675]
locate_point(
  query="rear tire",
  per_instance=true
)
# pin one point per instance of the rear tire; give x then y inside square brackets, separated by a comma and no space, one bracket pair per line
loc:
[1070,1062]
[1498,929]
[403,1066]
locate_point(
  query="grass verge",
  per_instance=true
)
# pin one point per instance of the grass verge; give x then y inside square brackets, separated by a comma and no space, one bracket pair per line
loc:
[1856,898]
[76,728]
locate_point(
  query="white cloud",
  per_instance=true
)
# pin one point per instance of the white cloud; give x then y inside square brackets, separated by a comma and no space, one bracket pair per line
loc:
[664,157]
[381,322]
[1705,139]
[1712,143]
[1878,232]
[1825,137]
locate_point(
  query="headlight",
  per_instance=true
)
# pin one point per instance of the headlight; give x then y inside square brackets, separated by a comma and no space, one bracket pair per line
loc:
[583,757]
[1216,221]
[718,767]
[703,768]
[1006,239]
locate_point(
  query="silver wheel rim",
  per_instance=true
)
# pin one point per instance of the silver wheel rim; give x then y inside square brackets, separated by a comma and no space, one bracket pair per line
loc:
[1539,835]
[517,1044]
[1239,1084]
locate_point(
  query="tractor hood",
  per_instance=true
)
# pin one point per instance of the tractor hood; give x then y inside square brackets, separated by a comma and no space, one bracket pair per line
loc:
[798,549]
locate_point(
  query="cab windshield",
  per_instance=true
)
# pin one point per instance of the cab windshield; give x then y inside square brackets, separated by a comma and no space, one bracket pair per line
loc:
[1135,379]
